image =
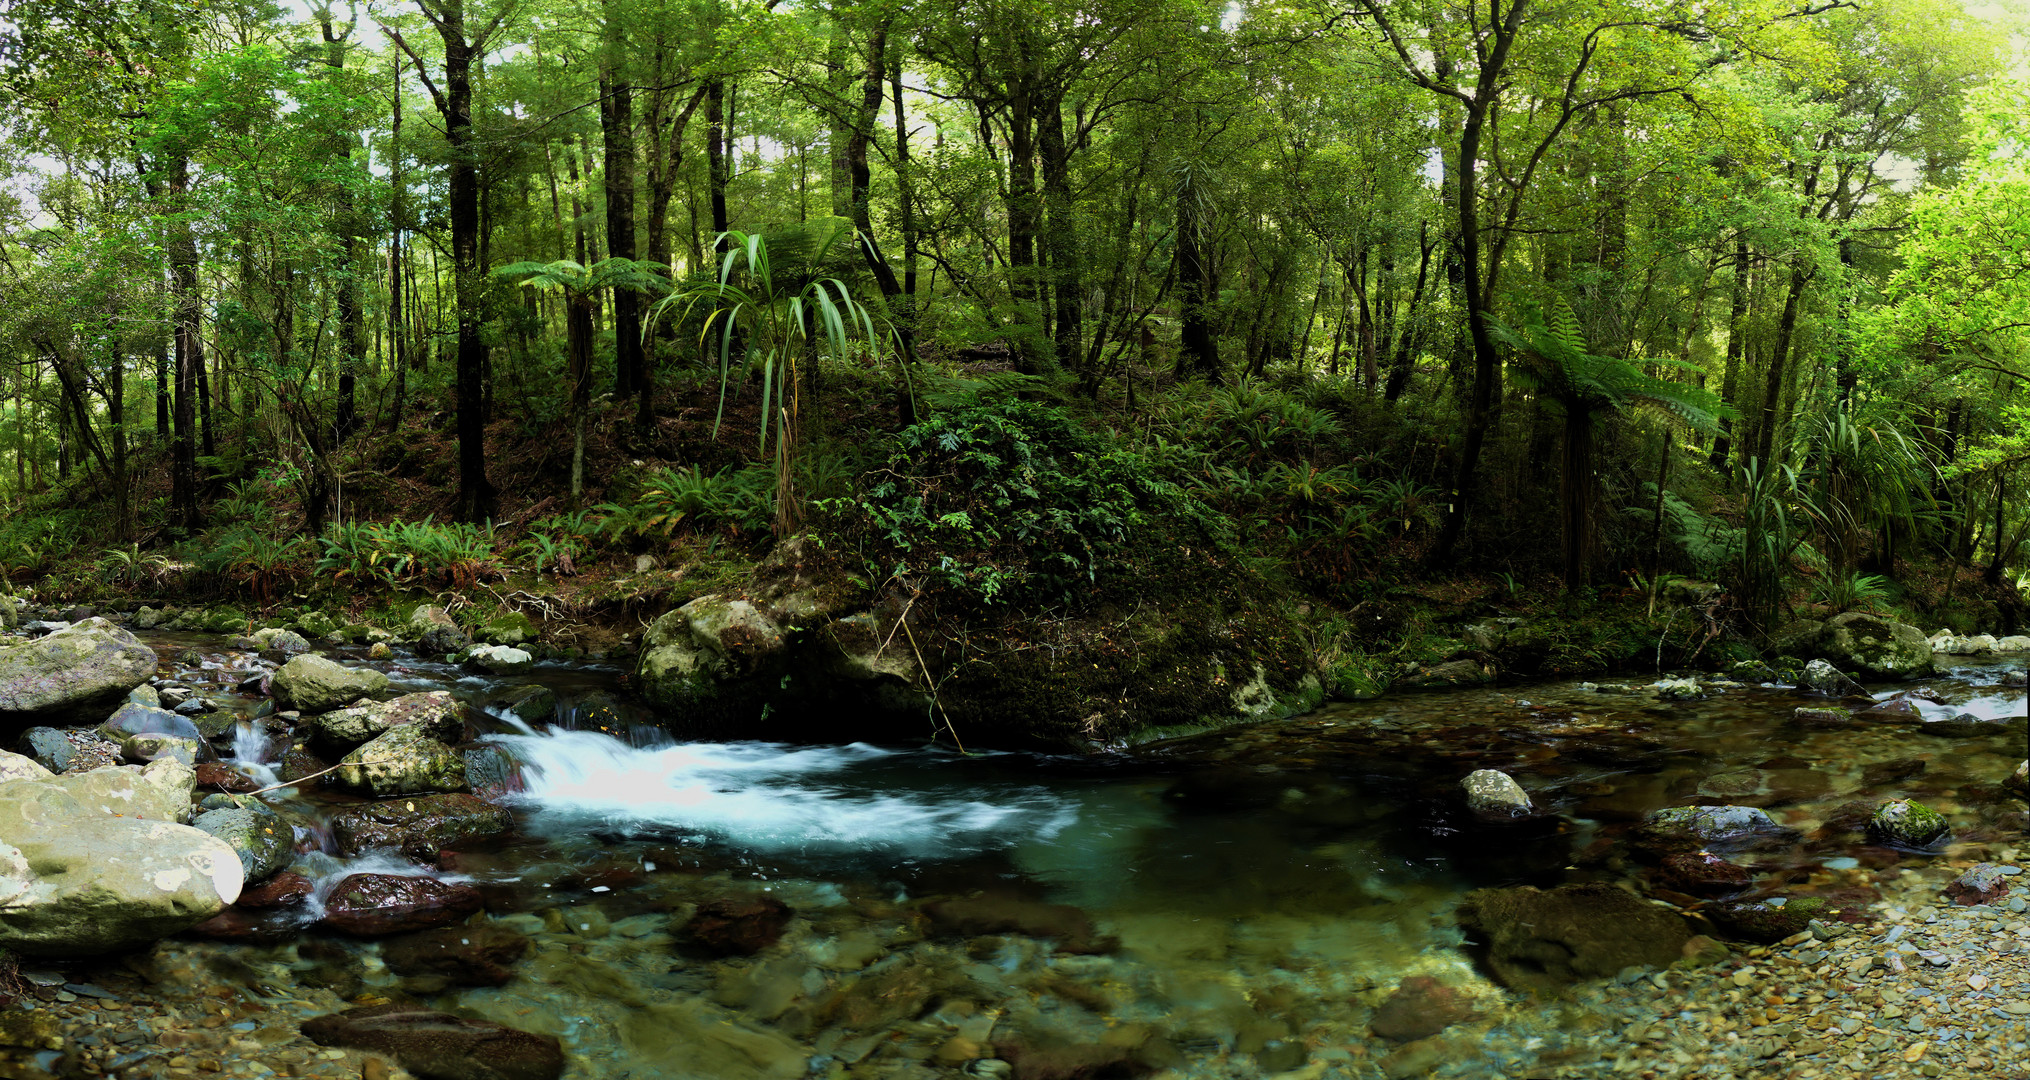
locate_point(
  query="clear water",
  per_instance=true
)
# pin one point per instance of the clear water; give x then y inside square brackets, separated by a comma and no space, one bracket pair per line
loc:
[1266,885]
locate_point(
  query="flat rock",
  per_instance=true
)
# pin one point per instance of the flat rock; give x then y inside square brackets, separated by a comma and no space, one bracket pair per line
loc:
[376,905]
[441,1046]
[1542,940]
[419,827]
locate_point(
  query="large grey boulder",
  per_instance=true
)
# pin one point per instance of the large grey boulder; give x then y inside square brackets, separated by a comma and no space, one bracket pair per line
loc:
[436,713]
[1873,647]
[74,675]
[434,631]
[688,653]
[500,659]
[1823,678]
[403,761]
[77,880]
[314,684]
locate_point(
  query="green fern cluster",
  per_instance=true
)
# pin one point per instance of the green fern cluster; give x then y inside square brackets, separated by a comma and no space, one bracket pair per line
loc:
[395,553]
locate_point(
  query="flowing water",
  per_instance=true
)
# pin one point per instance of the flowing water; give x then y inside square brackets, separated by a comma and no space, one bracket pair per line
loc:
[1253,894]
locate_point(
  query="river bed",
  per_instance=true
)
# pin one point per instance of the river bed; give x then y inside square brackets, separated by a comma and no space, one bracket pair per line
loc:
[1238,904]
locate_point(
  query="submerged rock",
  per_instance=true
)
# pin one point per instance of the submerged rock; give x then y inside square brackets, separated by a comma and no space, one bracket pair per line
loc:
[1421,1007]
[440,1046]
[1907,824]
[72,675]
[376,905]
[1003,913]
[740,926]
[1766,923]
[1538,940]
[314,684]
[1702,873]
[1719,828]
[457,956]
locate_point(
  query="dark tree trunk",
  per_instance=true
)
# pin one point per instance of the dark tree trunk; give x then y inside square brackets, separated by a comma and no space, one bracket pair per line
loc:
[616,117]
[717,167]
[1779,354]
[183,266]
[1737,328]
[1060,239]
[1200,352]
[352,330]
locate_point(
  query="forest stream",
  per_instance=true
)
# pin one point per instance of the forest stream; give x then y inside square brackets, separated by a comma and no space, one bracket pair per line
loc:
[1235,904]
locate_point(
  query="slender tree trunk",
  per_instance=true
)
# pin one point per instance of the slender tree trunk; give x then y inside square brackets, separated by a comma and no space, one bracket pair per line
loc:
[717,144]
[1060,239]
[617,125]
[397,213]
[1779,353]
[183,267]
[1200,352]
[904,194]
[351,309]
[1737,328]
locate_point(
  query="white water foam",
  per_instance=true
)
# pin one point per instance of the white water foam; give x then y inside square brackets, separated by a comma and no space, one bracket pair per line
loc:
[769,797]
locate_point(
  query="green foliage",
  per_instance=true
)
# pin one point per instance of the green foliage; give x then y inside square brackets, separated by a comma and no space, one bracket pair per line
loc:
[399,553]
[1011,503]
[245,559]
[1577,380]
[687,498]
[1852,591]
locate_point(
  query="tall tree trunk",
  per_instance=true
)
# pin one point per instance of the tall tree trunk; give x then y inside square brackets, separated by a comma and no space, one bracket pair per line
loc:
[616,117]
[1779,354]
[718,168]
[398,336]
[189,355]
[1737,329]
[1200,353]
[351,310]
[1024,214]
[1060,238]
[904,193]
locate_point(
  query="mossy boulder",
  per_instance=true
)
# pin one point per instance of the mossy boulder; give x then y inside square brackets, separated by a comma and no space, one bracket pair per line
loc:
[707,653]
[74,675]
[1907,824]
[1540,940]
[434,631]
[223,620]
[1876,648]
[1716,828]
[402,761]
[314,684]
[264,841]
[315,625]
[508,628]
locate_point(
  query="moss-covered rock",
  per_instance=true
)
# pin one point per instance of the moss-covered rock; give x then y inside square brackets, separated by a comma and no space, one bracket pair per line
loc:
[1876,648]
[508,628]
[1765,922]
[1908,824]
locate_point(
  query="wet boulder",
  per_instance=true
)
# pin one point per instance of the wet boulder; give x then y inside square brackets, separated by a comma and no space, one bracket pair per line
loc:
[1821,677]
[1982,884]
[1769,921]
[456,956]
[1539,940]
[688,653]
[508,628]
[1717,828]
[402,761]
[1451,675]
[211,776]
[531,704]
[376,905]
[285,889]
[435,632]
[158,791]
[1907,824]
[441,1046]
[78,879]
[738,926]
[72,675]
[278,646]
[420,827]
[265,843]
[1702,873]
[1876,648]
[499,659]
[313,684]
[2019,781]
[48,747]
[134,718]
[1494,795]
[436,713]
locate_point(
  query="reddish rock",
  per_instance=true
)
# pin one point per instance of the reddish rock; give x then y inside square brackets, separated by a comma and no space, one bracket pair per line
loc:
[1003,913]
[440,1046]
[214,777]
[375,905]
[249,926]
[1421,1007]
[457,955]
[1981,885]
[741,925]
[1042,1059]
[285,889]
[421,826]
[1702,873]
